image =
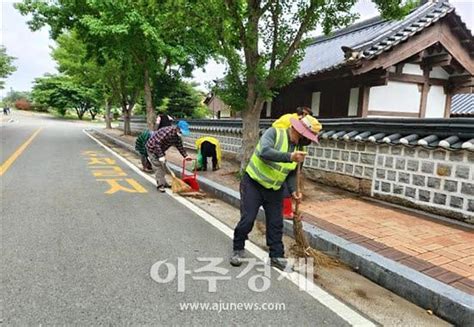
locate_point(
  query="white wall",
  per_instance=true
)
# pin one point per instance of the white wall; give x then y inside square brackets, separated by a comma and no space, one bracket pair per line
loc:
[412,69]
[438,72]
[315,98]
[436,102]
[395,96]
[216,105]
[353,102]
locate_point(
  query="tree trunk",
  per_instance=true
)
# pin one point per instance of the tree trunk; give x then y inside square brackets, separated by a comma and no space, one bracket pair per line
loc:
[93,114]
[108,120]
[80,113]
[250,131]
[150,110]
[126,120]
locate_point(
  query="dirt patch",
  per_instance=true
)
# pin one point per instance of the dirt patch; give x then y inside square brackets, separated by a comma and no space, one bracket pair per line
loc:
[361,293]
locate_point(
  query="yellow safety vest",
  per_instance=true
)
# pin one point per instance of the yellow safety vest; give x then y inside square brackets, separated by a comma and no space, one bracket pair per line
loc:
[270,174]
[214,141]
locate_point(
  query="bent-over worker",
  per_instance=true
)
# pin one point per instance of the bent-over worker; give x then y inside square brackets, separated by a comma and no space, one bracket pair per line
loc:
[161,141]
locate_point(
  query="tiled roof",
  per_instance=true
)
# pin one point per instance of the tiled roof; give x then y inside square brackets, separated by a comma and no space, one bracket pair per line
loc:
[451,134]
[369,38]
[462,105]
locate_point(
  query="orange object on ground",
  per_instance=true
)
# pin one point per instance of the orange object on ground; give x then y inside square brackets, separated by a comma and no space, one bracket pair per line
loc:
[287,208]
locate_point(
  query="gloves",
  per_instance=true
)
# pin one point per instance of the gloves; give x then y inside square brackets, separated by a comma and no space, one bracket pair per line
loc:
[162,159]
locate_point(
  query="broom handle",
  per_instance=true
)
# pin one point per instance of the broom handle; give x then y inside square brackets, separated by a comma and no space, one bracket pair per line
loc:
[169,169]
[298,188]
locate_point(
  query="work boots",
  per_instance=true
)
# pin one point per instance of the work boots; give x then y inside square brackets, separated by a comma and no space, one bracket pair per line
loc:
[281,263]
[236,257]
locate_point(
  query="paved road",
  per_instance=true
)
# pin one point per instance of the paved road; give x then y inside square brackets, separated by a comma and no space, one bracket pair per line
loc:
[73,254]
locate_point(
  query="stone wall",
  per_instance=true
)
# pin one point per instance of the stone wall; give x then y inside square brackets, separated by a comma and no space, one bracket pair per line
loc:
[434,180]
[230,139]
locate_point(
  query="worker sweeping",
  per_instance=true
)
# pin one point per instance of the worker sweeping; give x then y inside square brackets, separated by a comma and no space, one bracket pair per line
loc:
[159,142]
[208,147]
[284,122]
[274,161]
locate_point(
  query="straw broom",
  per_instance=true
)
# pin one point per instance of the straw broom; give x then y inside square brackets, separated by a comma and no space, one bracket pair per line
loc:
[302,246]
[177,184]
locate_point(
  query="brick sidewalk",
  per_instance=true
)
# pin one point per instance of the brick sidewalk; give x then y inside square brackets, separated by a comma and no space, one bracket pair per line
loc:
[440,250]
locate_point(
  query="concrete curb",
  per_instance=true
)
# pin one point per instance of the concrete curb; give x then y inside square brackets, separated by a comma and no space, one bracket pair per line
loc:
[445,301]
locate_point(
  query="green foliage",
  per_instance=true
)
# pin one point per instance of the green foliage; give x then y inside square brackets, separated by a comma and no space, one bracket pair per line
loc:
[149,38]
[395,9]
[178,98]
[201,112]
[263,41]
[6,66]
[62,93]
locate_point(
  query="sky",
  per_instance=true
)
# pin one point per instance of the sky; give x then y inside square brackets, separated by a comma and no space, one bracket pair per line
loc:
[32,49]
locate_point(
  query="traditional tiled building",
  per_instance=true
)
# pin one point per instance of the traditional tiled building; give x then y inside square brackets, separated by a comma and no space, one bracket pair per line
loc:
[384,92]
[386,68]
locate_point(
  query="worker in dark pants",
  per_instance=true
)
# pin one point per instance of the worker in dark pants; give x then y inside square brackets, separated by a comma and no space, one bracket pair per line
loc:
[208,150]
[271,165]
[140,146]
[208,147]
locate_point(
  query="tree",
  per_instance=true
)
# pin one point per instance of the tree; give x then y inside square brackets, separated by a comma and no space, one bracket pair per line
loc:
[84,72]
[178,98]
[62,93]
[6,66]
[154,36]
[263,41]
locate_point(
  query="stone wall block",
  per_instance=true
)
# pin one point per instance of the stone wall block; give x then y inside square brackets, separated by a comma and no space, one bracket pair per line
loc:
[462,172]
[412,165]
[467,188]
[400,163]
[427,167]
[450,185]
[443,170]
[440,198]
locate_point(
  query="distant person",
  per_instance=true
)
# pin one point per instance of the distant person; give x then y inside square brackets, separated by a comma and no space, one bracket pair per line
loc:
[6,110]
[159,142]
[209,147]
[140,146]
[163,120]
[284,121]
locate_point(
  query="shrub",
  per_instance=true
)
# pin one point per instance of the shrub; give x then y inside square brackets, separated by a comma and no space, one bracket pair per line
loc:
[23,104]
[39,107]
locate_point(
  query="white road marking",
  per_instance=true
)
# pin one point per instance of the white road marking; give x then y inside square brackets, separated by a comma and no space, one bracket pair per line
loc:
[320,295]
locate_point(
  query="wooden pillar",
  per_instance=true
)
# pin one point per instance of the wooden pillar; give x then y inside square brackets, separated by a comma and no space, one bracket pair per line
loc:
[363,105]
[447,105]
[425,88]
[399,68]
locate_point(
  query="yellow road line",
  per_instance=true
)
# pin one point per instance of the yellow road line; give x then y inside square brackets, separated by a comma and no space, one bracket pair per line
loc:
[4,167]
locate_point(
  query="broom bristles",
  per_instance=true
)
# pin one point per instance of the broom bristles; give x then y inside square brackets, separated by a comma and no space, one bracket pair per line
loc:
[179,186]
[303,249]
